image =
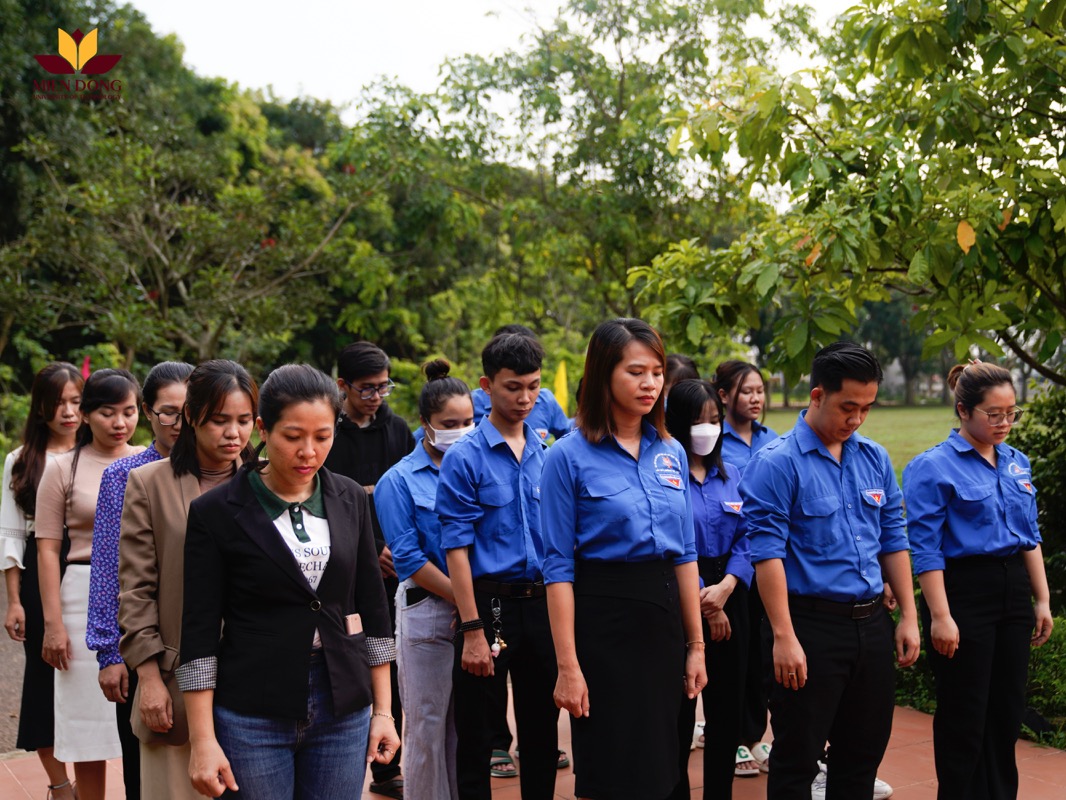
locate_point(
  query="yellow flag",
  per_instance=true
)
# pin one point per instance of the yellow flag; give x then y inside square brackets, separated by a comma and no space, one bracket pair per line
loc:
[562,391]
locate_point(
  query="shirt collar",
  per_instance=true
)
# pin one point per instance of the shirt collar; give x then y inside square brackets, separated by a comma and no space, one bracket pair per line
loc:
[958,441]
[274,506]
[808,440]
[420,459]
[494,438]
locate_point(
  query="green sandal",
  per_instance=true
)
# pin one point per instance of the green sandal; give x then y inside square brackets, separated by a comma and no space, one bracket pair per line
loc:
[499,760]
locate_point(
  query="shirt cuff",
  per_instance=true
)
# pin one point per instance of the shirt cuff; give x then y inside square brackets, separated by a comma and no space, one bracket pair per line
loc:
[108,657]
[198,675]
[927,562]
[382,650]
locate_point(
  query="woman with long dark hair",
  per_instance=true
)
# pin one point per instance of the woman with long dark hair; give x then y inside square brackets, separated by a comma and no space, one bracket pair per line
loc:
[620,565]
[694,418]
[282,589]
[50,431]
[217,418]
[85,729]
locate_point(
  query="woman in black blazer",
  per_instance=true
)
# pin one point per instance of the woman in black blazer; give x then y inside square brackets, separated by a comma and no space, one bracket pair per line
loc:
[286,639]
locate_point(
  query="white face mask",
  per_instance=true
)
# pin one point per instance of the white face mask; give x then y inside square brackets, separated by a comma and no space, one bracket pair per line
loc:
[704,437]
[444,439]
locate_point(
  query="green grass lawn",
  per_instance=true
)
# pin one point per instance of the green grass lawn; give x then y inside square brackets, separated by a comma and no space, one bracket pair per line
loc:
[904,432]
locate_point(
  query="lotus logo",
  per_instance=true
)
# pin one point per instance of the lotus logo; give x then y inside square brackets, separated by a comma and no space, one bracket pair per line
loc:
[77,54]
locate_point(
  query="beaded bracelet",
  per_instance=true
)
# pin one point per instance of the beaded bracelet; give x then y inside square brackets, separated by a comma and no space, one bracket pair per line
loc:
[389,717]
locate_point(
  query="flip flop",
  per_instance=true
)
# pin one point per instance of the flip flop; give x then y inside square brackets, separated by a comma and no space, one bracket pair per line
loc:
[501,758]
[744,756]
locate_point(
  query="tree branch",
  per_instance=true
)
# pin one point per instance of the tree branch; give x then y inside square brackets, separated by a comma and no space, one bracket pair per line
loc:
[1026,357]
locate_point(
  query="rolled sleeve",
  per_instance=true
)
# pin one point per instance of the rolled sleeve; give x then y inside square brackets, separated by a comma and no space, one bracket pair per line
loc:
[396,513]
[893,537]
[381,649]
[739,563]
[457,504]
[767,492]
[198,675]
[13,522]
[558,518]
[926,515]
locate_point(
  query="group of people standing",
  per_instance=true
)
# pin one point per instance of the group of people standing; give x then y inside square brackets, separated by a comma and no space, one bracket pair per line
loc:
[260,618]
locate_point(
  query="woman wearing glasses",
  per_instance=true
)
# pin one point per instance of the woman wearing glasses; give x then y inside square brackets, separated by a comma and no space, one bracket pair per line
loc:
[971,518]
[163,398]
[368,441]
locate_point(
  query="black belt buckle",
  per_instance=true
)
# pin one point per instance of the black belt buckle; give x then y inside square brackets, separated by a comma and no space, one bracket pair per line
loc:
[522,590]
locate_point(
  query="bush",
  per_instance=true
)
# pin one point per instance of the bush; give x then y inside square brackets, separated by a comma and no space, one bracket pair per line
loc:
[1042,438]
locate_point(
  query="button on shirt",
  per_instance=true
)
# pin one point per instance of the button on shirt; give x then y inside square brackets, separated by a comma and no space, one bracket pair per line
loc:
[405,499]
[736,451]
[601,504]
[959,505]
[490,502]
[545,417]
[827,520]
[718,517]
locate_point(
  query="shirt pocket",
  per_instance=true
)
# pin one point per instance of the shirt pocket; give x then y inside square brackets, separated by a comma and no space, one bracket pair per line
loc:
[817,518]
[609,498]
[974,503]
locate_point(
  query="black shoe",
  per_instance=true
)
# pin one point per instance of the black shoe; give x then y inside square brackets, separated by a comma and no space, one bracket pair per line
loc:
[390,788]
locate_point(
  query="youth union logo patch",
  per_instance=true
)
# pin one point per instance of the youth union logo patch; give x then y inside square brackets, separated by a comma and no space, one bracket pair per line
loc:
[735,506]
[1026,485]
[1015,469]
[877,495]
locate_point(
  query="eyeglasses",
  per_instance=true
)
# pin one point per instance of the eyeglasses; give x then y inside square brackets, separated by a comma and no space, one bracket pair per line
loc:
[367,392]
[999,417]
[168,419]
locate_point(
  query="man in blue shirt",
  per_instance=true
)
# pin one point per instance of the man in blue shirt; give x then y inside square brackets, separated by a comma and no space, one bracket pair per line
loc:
[826,526]
[488,501]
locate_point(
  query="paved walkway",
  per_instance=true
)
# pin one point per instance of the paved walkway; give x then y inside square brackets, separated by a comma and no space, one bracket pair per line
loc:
[908,766]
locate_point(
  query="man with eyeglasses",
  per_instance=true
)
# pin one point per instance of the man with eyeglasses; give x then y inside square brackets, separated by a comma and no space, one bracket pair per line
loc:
[370,439]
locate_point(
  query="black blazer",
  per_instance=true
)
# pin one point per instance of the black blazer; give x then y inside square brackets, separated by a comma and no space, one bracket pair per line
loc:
[247,603]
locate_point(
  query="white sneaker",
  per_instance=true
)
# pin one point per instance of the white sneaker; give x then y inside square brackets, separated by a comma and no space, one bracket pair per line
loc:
[881,789]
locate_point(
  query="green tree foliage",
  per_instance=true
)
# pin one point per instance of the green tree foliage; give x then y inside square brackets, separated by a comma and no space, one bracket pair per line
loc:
[927,156]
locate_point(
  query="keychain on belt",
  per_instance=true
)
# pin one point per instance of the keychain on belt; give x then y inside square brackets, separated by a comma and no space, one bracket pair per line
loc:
[499,644]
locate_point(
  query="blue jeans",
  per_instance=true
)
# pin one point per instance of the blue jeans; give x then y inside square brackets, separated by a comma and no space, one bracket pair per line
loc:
[424,656]
[322,757]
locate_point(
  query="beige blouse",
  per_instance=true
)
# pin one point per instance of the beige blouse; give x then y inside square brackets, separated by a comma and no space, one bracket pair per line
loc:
[52,494]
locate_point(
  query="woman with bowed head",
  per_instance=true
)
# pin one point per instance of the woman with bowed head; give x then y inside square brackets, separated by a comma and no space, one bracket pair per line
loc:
[50,430]
[620,565]
[85,729]
[425,605]
[217,414]
[286,640]
[694,418]
[163,396]
[971,519]
[742,389]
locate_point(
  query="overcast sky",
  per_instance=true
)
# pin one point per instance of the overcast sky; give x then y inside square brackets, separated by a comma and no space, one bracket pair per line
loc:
[330,49]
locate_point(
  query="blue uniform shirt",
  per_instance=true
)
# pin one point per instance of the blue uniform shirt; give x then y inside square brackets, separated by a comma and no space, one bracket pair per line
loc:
[717,514]
[601,504]
[827,520]
[736,451]
[959,505]
[405,497]
[490,502]
[546,416]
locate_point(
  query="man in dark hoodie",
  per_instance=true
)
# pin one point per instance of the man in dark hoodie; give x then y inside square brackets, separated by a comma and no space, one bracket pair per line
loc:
[369,440]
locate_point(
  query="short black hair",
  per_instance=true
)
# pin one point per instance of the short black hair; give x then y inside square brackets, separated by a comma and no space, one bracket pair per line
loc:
[514,351]
[291,384]
[843,360]
[514,327]
[361,359]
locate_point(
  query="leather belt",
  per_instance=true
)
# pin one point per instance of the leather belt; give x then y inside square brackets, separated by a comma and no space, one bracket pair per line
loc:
[860,610]
[513,590]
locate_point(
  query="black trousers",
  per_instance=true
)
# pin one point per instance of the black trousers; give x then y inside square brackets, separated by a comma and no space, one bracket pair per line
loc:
[131,745]
[723,698]
[848,701]
[386,772]
[530,659]
[759,673]
[980,691]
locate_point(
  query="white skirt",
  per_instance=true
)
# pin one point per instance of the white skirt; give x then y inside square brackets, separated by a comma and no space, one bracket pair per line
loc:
[86,727]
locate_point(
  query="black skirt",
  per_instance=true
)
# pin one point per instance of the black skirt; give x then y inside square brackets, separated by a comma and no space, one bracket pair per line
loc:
[631,648]
[37,712]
